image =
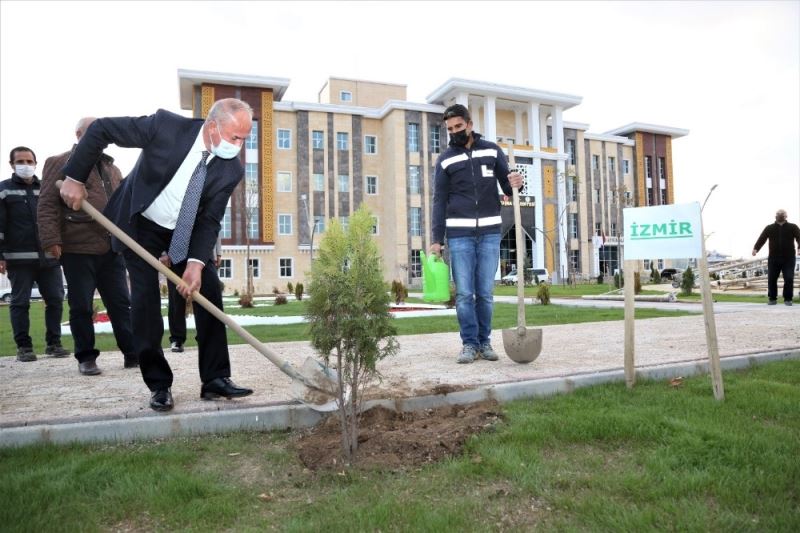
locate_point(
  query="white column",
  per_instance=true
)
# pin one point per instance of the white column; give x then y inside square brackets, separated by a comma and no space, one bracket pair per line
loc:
[463,99]
[561,192]
[538,193]
[543,126]
[476,117]
[490,119]
[558,129]
[533,128]
[519,137]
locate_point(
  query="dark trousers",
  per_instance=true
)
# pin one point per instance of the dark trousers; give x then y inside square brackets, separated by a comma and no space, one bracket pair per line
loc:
[176,313]
[780,265]
[106,273]
[212,343]
[51,287]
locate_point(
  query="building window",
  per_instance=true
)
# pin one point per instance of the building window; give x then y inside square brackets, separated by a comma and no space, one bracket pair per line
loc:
[611,161]
[573,225]
[319,182]
[648,170]
[613,229]
[571,150]
[649,196]
[255,267]
[626,166]
[345,96]
[284,182]
[435,138]
[415,221]
[284,139]
[372,184]
[225,269]
[660,264]
[251,176]
[647,264]
[595,162]
[319,224]
[342,140]
[251,143]
[370,144]
[284,224]
[575,260]
[413,137]
[415,267]
[414,185]
[614,199]
[225,226]
[597,228]
[374,225]
[596,196]
[662,171]
[345,222]
[317,140]
[252,222]
[663,194]
[286,267]
[344,183]
[572,189]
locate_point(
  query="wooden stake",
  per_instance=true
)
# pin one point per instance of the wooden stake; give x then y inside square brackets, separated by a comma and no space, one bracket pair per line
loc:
[710,322]
[630,308]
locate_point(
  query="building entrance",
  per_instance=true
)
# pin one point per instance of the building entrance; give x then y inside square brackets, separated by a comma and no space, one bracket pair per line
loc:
[508,251]
[609,259]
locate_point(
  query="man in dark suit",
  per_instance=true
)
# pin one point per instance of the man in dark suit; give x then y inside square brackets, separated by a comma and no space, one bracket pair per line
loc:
[173,199]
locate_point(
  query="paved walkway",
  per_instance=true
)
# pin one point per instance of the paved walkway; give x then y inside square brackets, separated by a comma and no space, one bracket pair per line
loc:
[52,392]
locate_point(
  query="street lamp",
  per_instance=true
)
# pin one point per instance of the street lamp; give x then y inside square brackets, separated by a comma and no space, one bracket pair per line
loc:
[707,196]
[312,225]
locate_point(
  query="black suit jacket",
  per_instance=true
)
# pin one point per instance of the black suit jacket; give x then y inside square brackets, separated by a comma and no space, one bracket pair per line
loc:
[165,138]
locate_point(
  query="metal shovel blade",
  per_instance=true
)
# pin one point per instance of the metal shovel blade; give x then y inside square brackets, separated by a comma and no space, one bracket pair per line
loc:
[319,387]
[522,345]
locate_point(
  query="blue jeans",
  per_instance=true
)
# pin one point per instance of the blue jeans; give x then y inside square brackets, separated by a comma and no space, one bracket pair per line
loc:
[474,262]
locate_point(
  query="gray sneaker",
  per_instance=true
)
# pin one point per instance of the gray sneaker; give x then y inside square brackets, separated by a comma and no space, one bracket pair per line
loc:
[25,354]
[467,354]
[787,302]
[488,353]
[56,350]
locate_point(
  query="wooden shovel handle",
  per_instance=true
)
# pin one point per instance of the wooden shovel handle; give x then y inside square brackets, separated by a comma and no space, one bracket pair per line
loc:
[520,246]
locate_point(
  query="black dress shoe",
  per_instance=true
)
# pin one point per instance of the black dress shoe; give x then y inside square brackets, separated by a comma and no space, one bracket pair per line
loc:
[161,400]
[88,368]
[223,387]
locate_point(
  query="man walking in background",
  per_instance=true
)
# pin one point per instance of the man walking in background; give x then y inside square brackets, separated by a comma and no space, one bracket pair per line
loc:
[84,248]
[24,260]
[782,256]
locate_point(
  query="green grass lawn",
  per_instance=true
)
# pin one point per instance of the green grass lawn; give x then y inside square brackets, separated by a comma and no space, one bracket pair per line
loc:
[600,459]
[505,316]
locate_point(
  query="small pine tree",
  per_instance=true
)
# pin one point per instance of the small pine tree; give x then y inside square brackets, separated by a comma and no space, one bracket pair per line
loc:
[290,287]
[687,281]
[298,291]
[543,293]
[654,275]
[637,283]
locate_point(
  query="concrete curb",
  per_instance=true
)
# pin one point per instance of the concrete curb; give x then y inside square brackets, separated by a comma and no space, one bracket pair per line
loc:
[293,416]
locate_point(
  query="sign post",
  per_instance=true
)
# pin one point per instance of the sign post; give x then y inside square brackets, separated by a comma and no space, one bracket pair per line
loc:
[669,232]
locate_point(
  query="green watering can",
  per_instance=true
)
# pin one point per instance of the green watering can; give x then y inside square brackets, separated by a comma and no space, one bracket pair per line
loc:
[435,278]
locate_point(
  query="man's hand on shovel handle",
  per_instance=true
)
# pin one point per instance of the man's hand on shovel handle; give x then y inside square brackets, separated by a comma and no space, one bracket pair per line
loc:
[191,279]
[515,179]
[73,192]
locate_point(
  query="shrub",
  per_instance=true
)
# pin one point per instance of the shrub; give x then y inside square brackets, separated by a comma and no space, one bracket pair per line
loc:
[399,292]
[600,279]
[290,288]
[687,281]
[543,293]
[298,291]
[654,275]
[637,283]
[246,300]
[619,280]
[236,292]
[280,300]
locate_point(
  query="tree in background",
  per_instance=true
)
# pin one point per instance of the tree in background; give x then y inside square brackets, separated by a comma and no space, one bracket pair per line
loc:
[687,281]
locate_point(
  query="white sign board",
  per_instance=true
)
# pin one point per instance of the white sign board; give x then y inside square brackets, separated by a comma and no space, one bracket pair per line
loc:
[663,231]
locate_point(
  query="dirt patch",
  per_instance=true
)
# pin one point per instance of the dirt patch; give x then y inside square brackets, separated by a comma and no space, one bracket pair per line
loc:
[392,440]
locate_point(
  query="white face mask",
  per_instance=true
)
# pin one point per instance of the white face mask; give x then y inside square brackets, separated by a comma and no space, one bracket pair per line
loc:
[25,171]
[225,149]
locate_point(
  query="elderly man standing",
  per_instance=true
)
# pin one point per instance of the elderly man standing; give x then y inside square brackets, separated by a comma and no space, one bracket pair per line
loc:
[84,248]
[24,260]
[174,199]
[782,256]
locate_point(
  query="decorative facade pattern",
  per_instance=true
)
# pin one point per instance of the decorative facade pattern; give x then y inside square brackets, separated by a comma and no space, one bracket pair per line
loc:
[206,100]
[267,174]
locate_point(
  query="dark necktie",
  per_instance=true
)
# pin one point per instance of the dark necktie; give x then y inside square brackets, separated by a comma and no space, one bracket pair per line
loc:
[179,246]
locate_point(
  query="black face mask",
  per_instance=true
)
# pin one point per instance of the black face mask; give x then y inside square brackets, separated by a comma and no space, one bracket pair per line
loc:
[459,138]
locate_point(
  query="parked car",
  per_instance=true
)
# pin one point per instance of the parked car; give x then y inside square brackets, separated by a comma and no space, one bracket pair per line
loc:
[35,294]
[511,278]
[668,274]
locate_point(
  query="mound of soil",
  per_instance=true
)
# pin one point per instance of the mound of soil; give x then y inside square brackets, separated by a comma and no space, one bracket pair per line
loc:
[392,440]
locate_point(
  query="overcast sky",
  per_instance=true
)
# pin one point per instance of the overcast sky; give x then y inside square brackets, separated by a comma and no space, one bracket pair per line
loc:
[727,71]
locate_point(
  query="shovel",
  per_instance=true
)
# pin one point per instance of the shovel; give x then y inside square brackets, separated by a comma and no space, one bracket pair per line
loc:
[522,345]
[314,385]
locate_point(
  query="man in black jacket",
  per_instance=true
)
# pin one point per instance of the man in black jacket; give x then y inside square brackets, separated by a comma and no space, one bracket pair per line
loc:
[466,209]
[782,256]
[24,260]
[174,199]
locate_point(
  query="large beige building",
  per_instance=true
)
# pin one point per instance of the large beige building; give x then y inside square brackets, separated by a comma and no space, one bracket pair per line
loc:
[364,143]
